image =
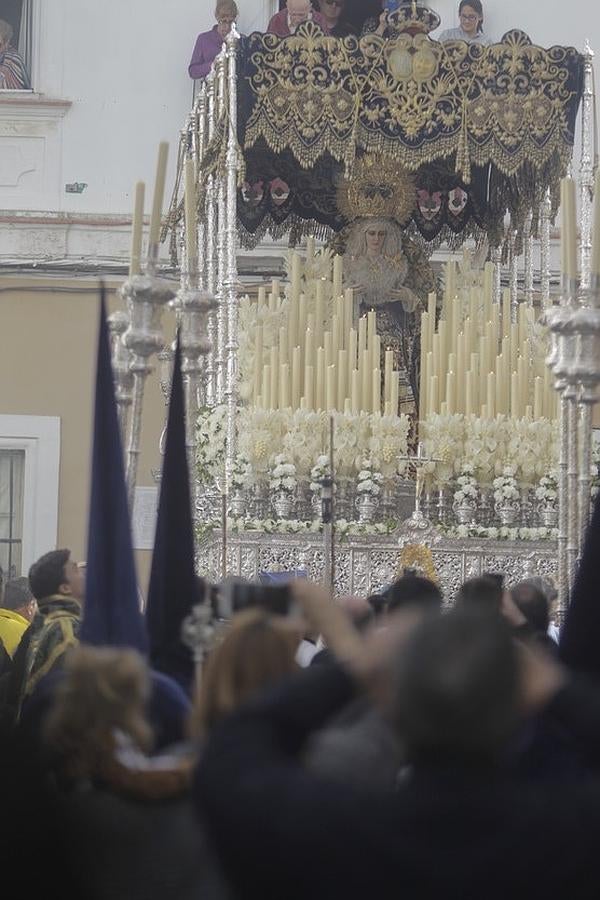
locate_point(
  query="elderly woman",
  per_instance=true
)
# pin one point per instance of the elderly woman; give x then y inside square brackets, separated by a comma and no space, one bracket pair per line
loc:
[209,43]
[13,73]
[470,15]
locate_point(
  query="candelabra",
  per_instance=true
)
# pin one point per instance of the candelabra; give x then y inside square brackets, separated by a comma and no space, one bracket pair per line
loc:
[146,296]
[417,521]
[121,359]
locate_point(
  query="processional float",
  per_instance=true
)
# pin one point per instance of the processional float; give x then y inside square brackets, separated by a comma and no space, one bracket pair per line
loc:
[276,127]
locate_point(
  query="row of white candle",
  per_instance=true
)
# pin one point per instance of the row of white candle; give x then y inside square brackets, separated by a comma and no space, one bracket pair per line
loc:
[477,360]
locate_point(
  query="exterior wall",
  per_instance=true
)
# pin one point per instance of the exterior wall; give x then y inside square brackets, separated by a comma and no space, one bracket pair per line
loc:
[47,368]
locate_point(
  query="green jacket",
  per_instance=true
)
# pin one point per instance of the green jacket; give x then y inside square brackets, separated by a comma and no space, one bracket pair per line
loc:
[54,632]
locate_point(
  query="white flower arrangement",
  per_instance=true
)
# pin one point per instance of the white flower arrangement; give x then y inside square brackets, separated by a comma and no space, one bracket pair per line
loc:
[443,440]
[467,490]
[211,435]
[547,490]
[506,488]
[503,533]
[368,480]
[283,475]
[388,442]
[320,470]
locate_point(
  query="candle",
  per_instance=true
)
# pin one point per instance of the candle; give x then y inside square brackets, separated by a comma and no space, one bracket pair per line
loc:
[474,304]
[266,387]
[388,368]
[371,328]
[491,395]
[431,304]
[330,395]
[295,377]
[309,348]
[335,337]
[301,318]
[342,372]
[376,391]
[159,190]
[292,325]
[443,408]
[568,228]
[137,229]
[366,391]
[538,407]
[337,276]
[274,385]
[275,288]
[451,393]
[309,374]
[327,347]
[310,248]
[515,405]
[377,351]
[488,287]
[506,314]
[469,405]
[362,336]
[596,236]
[523,384]
[355,392]
[191,214]
[319,312]
[347,407]
[484,411]
[348,312]
[499,386]
[433,396]
[295,277]
[283,346]
[394,399]
[284,386]
[443,350]
[262,297]
[319,398]
[528,412]
[258,359]
[352,338]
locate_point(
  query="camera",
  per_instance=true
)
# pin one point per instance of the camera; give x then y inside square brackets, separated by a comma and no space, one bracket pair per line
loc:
[236,594]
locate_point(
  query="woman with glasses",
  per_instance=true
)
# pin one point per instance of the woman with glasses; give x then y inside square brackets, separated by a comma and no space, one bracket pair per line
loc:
[470,14]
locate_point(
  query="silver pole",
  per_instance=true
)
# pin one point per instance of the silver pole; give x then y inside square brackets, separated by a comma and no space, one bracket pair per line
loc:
[586,171]
[546,213]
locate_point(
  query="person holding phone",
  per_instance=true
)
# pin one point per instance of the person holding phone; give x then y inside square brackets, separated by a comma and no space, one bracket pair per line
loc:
[470,16]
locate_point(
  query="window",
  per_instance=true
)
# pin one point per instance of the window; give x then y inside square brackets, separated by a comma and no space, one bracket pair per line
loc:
[29,469]
[16,58]
[12,484]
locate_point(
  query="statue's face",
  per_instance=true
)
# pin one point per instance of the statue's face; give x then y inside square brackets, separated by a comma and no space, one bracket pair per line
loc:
[375,236]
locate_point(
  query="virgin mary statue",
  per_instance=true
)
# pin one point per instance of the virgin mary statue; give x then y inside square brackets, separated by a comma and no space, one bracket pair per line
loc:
[390,275]
[387,270]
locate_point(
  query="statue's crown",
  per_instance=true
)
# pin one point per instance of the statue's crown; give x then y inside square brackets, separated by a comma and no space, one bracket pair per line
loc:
[377,187]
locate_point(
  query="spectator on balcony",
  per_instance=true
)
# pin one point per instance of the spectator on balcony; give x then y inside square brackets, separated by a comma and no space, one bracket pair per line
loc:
[334,13]
[379,24]
[296,13]
[209,43]
[13,71]
[470,14]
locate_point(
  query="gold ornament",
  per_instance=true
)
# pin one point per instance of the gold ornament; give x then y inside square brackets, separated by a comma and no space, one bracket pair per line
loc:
[419,557]
[378,187]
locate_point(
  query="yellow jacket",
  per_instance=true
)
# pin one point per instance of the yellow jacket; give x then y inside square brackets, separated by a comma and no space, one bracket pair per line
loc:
[12,626]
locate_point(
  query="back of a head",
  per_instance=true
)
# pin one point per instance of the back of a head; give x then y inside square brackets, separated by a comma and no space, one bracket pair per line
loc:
[414,590]
[534,605]
[17,594]
[48,573]
[483,594]
[257,650]
[456,689]
[103,689]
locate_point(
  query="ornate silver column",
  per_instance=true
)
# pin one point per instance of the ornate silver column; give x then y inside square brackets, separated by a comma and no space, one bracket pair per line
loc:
[231,275]
[513,273]
[528,258]
[222,84]
[146,296]
[201,149]
[211,256]
[586,171]
[121,359]
[545,214]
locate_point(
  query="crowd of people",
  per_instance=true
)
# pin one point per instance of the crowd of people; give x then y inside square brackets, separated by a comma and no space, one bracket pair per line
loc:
[349,748]
[333,17]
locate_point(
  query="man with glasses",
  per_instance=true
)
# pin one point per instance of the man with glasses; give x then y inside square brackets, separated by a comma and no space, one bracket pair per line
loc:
[209,43]
[296,13]
[333,13]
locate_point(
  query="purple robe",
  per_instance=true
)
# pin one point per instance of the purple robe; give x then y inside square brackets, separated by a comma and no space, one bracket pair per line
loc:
[208,45]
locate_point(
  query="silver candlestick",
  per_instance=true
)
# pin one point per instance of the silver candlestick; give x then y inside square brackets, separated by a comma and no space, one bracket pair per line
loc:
[121,361]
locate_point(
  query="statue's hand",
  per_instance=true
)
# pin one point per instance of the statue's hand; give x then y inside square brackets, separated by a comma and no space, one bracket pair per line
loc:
[406,297]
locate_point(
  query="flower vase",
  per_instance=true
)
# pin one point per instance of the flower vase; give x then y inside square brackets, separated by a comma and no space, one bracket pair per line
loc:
[548,513]
[508,512]
[283,504]
[465,511]
[366,505]
[237,504]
